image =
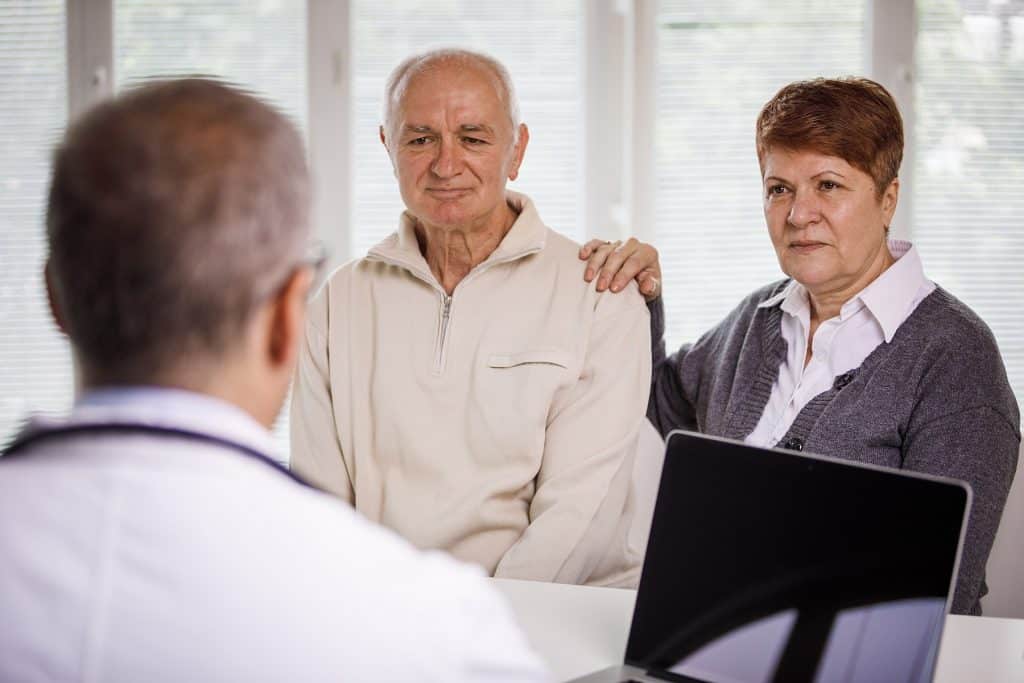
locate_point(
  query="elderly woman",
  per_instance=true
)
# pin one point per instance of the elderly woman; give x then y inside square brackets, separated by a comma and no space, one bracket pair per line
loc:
[856,354]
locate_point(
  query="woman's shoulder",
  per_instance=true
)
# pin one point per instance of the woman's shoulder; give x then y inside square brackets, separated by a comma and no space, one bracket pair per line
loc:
[951,355]
[752,302]
[944,321]
[742,323]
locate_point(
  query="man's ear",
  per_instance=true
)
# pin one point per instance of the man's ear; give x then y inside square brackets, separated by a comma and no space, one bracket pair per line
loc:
[51,296]
[387,148]
[519,151]
[287,318]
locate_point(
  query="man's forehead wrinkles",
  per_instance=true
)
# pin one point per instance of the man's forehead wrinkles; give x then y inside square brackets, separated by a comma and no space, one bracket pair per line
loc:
[464,127]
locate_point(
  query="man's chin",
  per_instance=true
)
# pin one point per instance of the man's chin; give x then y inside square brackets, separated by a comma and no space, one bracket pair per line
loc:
[446,214]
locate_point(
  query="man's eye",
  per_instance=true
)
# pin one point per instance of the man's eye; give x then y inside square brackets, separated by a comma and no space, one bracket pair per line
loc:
[474,141]
[419,141]
[776,189]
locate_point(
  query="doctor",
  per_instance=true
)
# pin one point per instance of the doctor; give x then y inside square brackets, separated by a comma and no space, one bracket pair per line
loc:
[147,537]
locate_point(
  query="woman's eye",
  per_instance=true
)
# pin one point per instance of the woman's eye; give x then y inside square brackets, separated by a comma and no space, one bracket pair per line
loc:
[776,189]
[828,185]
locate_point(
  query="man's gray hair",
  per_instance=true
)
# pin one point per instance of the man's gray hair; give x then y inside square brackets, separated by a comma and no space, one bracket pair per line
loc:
[400,77]
[175,211]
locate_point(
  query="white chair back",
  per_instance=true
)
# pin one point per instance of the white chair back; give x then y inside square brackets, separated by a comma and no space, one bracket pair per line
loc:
[1005,571]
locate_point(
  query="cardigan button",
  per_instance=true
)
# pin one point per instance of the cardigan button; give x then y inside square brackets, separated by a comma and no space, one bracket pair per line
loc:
[842,380]
[794,444]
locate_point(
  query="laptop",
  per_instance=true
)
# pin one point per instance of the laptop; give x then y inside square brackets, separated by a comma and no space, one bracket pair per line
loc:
[767,565]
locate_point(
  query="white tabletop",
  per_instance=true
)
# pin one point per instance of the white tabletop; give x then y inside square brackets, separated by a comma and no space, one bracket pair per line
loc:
[578,629]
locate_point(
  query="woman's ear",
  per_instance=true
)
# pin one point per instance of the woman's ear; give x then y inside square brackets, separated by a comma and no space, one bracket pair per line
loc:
[890,196]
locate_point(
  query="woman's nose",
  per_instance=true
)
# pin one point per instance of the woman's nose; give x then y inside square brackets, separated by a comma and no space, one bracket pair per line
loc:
[804,210]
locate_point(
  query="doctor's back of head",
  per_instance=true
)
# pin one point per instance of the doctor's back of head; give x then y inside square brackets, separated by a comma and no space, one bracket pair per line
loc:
[178,220]
[147,536]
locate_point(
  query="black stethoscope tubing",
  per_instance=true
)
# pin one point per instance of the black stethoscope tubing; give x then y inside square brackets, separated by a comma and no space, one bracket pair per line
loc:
[20,446]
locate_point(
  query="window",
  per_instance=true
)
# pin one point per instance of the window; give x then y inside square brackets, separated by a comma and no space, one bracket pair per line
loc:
[717,64]
[969,162]
[259,46]
[35,363]
[698,85]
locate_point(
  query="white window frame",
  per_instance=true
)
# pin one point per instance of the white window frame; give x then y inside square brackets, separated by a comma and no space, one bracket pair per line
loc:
[617,185]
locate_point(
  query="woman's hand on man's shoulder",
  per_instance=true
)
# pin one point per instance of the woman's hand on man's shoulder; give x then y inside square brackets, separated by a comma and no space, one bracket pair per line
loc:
[614,264]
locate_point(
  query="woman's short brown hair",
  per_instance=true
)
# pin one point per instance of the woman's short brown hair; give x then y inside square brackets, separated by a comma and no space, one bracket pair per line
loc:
[855,119]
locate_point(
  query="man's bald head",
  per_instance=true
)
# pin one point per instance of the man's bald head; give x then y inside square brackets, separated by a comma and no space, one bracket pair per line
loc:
[411,67]
[175,210]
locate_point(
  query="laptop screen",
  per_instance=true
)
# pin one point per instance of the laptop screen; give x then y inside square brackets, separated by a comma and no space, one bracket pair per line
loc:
[765,565]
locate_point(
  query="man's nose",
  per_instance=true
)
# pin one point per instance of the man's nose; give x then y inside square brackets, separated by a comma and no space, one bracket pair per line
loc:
[448,162]
[805,209]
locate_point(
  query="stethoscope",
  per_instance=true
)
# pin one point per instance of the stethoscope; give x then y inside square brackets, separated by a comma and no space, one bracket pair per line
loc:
[21,444]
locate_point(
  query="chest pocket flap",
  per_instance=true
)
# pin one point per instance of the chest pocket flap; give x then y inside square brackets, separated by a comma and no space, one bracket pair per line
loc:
[545,356]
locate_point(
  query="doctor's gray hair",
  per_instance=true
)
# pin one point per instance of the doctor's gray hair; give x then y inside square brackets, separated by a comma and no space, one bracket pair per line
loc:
[175,211]
[400,77]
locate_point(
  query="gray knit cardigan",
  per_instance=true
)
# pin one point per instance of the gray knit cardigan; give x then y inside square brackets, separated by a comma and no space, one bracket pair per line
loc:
[935,399]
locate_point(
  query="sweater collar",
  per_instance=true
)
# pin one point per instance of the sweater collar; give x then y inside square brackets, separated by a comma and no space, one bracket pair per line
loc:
[526,236]
[888,298]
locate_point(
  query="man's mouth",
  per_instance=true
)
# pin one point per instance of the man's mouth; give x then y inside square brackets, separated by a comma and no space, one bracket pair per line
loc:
[448,192]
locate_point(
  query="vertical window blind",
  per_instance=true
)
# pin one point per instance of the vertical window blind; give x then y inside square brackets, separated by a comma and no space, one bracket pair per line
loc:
[969,164]
[35,361]
[537,40]
[717,64]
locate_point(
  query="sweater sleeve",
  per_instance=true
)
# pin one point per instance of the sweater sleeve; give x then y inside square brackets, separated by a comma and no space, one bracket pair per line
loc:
[316,453]
[579,522]
[668,405]
[965,425]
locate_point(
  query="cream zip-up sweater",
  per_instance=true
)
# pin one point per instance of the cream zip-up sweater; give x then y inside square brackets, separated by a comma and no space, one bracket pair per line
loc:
[499,423]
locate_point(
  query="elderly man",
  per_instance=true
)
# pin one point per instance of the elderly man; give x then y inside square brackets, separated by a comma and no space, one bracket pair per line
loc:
[148,537]
[461,384]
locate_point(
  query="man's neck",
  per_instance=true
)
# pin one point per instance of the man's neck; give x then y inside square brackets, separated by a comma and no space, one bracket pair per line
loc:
[219,383]
[452,252]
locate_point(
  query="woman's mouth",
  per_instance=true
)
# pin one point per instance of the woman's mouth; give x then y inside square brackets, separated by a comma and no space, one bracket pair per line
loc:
[805,247]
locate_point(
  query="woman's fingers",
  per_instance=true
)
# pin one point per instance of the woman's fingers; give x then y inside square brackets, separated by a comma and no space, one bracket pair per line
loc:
[650,285]
[614,264]
[614,261]
[597,256]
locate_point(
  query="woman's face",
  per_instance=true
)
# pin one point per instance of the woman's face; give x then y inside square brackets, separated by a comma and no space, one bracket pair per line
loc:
[826,221]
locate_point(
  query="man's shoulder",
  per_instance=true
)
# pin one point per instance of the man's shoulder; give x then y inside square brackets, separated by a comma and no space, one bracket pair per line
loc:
[563,250]
[563,253]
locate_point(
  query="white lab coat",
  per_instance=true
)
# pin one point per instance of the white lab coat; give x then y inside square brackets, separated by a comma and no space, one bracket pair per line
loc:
[148,558]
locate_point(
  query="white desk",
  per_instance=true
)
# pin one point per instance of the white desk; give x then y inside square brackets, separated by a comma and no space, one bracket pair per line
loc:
[577,629]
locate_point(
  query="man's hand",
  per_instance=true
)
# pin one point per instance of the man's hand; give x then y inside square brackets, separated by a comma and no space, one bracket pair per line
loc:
[614,264]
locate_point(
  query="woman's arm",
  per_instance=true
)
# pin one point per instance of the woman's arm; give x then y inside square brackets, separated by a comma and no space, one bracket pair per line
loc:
[965,424]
